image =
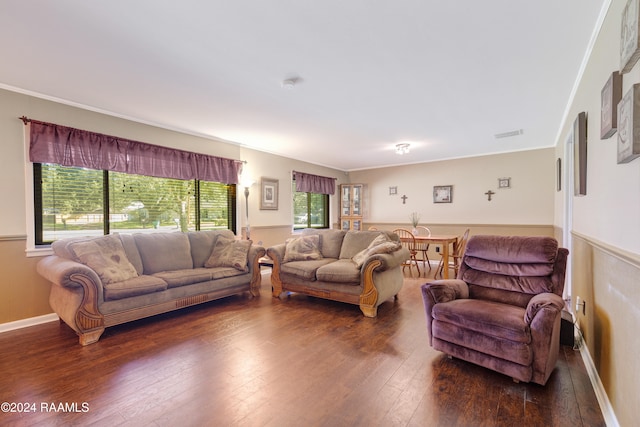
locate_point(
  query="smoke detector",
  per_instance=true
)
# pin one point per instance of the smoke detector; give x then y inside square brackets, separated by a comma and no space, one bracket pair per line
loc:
[291,82]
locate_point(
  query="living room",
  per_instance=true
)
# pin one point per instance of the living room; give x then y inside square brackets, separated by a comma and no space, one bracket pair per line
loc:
[603,230]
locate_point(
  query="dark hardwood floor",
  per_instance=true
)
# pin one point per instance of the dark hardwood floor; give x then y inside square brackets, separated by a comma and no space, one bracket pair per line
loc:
[299,361]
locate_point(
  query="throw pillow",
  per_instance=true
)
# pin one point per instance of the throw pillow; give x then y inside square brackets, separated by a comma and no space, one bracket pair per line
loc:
[106,256]
[229,253]
[379,245]
[303,248]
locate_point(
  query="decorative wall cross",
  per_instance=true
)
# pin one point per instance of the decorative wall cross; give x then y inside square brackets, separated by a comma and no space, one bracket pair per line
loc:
[489,194]
[404,199]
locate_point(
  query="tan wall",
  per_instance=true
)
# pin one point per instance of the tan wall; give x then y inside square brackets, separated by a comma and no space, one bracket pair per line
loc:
[270,235]
[606,279]
[23,293]
[264,165]
[530,200]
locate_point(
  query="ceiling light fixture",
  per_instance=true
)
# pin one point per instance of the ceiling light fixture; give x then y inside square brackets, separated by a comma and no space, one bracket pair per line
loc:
[402,148]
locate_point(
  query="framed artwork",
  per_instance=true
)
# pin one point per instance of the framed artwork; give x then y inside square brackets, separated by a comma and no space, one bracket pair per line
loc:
[559,174]
[269,194]
[504,182]
[629,127]
[609,98]
[629,37]
[580,155]
[442,193]
[393,191]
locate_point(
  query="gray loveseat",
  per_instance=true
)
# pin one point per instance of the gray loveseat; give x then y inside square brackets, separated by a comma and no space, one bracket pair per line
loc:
[356,267]
[105,281]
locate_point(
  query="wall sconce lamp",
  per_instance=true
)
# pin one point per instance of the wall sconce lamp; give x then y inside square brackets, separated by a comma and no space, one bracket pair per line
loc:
[402,148]
[247,182]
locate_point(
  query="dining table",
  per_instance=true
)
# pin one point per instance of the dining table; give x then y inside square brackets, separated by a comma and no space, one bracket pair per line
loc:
[446,240]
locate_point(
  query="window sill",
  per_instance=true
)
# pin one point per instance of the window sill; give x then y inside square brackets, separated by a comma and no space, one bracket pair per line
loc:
[39,252]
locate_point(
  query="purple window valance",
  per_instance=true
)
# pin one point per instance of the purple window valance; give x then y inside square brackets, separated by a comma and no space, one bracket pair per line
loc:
[307,183]
[51,143]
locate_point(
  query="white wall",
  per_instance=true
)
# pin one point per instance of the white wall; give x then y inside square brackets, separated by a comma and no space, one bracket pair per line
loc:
[611,209]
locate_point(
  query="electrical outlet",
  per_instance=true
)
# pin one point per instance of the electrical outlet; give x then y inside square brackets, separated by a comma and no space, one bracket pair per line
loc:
[580,303]
[437,249]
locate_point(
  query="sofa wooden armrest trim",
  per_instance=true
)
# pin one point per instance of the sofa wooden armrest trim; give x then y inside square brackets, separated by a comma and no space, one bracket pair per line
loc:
[276,253]
[255,253]
[369,296]
[86,320]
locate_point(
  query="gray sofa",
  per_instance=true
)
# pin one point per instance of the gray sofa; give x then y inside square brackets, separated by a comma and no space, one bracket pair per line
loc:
[356,267]
[105,281]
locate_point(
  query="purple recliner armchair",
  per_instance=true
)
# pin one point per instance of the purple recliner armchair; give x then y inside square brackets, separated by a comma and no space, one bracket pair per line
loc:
[503,310]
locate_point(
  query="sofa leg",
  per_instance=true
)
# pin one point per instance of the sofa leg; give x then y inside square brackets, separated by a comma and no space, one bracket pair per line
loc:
[369,311]
[91,337]
[276,288]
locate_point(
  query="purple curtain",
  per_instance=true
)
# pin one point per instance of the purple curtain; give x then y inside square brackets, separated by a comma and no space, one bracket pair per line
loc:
[51,143]
[307,183]
[74,147]
[162,162]
[218,169]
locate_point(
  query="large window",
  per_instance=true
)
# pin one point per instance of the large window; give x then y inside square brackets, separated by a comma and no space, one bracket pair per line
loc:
[310,210]
[77,201]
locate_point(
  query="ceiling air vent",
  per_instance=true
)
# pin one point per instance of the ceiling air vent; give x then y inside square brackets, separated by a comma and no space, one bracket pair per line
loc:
[509,134]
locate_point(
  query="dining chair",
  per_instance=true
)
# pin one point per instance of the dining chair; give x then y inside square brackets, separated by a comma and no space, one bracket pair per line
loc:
[454,259]
[423,247]
[409,241]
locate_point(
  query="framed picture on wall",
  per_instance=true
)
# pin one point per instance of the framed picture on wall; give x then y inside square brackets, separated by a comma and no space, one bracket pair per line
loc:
[442,193]
[629,36]
[504,182]
[629,125]
[269,193]
[609,98]
[580,154]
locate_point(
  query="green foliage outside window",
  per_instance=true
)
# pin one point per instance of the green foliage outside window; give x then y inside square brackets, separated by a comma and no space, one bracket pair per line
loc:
[310,210]
[75,201]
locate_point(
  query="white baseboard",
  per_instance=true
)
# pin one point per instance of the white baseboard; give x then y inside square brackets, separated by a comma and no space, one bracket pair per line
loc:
[25,323]
[601,394]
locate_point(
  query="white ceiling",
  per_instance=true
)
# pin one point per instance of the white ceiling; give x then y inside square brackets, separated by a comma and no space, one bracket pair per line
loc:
[444,76]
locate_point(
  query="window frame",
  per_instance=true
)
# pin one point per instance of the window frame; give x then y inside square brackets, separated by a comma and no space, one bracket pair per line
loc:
[326,216]
[36,242]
